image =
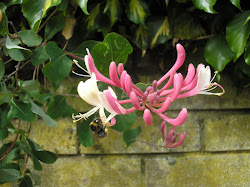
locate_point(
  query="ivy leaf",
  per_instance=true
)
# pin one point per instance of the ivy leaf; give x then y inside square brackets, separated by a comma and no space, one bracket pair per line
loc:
[237,33]
[141,38]
[59,66]
[84,132]
[114,48]
[131,135]
[206,5]
[21,111]
[83,5]
[9,175]
[35,10]
[186,27]
[2,69]
[30,38]
[39,111]
[124,121]
[217,52]
[137,11]
[114,8]
[54,25]
[39,56]
[160,31]
[59,108]
[236,3]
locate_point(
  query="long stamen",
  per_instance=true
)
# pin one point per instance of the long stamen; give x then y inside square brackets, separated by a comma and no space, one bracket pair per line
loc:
[78,65]
[81,75]
[215,73]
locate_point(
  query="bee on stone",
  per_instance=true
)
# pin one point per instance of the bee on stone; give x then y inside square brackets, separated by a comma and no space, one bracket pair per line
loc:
[99,128]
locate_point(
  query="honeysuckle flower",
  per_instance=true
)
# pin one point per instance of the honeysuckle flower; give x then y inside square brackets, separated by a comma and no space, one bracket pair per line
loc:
[155,99]
[90,93]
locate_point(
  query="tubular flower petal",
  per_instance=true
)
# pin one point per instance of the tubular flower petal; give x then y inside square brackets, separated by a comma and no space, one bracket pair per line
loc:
[135,101]
[120,68]
[178,121]
[147,116]
[178,80]
[190,75]
[128,84]
[113,74]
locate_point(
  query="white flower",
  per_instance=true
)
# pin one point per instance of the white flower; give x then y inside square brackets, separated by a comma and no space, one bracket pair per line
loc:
[90,93]
[204,83]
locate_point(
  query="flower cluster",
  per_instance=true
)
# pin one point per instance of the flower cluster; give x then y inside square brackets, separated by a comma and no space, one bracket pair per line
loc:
[155,99]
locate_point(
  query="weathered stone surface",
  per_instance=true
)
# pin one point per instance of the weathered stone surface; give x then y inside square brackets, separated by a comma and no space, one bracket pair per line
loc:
[113,143]
[198,170]
[92,171]
[226,131]
[60,139]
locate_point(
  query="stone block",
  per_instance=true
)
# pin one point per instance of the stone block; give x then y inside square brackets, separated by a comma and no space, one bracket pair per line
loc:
[61,139]
[92,171]
[198,170]
[113,143]
[225,131]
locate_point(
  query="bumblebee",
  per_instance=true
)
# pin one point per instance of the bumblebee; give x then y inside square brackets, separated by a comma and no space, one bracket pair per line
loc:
[99,128]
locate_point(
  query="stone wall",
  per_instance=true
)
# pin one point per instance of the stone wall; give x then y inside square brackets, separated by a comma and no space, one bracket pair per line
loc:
[216,151]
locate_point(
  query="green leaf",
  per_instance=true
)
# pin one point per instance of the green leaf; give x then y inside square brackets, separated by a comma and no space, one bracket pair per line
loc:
[236,3]
[114,8]
[114,48]
[59,108]
[11,45]
[4,133]
[39,56]
[83,5]
[43,155]
[19,54]
[33,88]
[217,52]
[237,33]
[39,111]
[141,38]
[206,5]
[84,133]
[30,38]
[93,17]
[4,22]
[36,178]
[131,135]
[21,111]
[35,10]
[26,182]
[2,69]
[36,164]
[54,25]
[160,31]
[247,53]
[137,11]
[124,122]
[9,175]
[5,95]
[59,66]
[81,49]
[10,156]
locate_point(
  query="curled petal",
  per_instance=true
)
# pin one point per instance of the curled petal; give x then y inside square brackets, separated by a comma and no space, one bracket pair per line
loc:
[178,80]
[88,91]
[135,101]
[89,62]
[190,75]
[120,68]
[113,103]
[163,130]
[105,103]
[147,116]
[113,74]
[178,121]
[204,77]
[128,84]
[164,107]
